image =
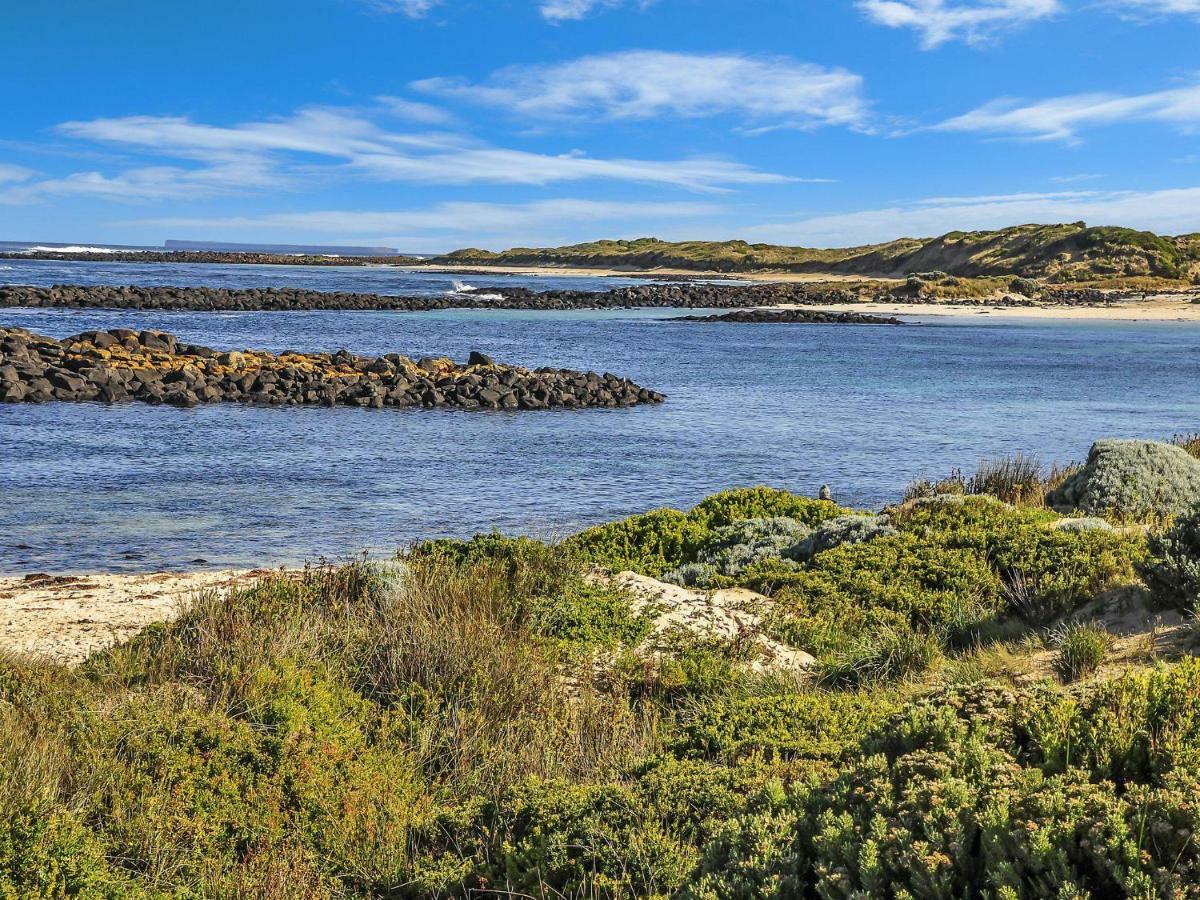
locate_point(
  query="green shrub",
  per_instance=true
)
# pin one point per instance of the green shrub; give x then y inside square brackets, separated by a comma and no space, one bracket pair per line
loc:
[662,540]
[1082,647]
[815,725]
[1173,569]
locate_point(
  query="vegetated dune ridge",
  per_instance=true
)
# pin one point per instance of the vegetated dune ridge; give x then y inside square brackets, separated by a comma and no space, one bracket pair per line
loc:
[993,683]
[1061,253]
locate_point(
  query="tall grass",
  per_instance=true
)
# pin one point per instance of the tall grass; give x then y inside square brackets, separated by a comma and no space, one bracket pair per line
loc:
[1189,442]
[1019,479]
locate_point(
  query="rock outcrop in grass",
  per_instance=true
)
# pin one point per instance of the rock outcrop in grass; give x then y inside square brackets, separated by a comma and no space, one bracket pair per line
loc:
[155,367]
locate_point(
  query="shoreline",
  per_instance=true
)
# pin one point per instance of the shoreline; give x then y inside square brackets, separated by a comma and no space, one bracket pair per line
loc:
[1153,310]
[65,618]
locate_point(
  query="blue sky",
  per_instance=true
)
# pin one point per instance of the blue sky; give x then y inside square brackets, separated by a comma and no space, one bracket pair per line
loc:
[435,124]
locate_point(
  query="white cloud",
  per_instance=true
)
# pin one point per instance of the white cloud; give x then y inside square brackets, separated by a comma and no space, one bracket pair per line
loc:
[148,183]
[1060,118]
[1174,211]
[412,8]
[324,143]
[449,225]
[461,216]
[940,21]
[570,10]
[1160,7]
[643,84]
[10,173]
[413,111]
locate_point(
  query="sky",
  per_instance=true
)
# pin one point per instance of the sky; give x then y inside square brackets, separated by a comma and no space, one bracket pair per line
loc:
[429,125]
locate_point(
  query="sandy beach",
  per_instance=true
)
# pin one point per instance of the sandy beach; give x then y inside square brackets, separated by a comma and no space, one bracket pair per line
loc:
[64,618]
[1151,310]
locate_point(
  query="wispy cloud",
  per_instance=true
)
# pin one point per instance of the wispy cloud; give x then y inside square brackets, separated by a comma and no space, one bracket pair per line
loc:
[413,8]
[1173,211]
[633,85]
[1158,7]
[974,21]
[572,10]
[11,173]
[330,144]
[451,224]
[1061,118]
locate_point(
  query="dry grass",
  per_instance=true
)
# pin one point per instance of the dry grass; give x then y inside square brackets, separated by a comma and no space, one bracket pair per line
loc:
[1019,479]
[1189,442]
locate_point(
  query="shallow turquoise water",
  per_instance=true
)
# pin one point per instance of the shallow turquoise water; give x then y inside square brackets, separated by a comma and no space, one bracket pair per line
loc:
[865,409]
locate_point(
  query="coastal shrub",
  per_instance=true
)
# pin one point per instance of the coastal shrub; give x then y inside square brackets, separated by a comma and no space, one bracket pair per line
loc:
[1172,571]
[471,723]
[651,543]
[1027,286]
[732,506]
[657,542]
[1081,648]
[1129,480]
[856,529]
[730,549]
[1063,568]
[1140,728]
[808,724]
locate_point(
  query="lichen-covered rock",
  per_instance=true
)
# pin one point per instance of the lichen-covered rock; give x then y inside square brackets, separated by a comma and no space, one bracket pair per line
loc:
[1131,480]
[842,530]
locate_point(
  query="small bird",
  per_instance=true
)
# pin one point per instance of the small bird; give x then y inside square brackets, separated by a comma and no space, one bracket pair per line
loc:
[826,493]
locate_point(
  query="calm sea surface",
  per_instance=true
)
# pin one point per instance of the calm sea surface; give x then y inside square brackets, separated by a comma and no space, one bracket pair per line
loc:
[133,487]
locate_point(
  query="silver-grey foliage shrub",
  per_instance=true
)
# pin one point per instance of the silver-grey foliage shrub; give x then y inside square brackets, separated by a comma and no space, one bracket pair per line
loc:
[1132,480]
[1173,573]
[734,548]
[839,531]
[1090,523]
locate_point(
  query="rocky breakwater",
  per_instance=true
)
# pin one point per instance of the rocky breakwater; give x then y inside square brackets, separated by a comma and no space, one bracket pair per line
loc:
[204,299]
[792,317]
[156,367]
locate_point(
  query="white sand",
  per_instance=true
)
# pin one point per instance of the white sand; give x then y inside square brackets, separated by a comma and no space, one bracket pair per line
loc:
[1150,310]
[726,614]
[65,618]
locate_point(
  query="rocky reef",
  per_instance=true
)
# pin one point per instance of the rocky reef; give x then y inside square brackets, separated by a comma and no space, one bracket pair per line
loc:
[793,317]
[156,367]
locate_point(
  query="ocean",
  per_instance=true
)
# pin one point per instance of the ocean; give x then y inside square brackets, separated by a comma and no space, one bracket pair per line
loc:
[87,487]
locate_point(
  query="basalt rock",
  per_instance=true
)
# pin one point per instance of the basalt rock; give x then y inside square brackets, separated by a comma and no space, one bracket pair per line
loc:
[155,367]
[205,299]
[792,317]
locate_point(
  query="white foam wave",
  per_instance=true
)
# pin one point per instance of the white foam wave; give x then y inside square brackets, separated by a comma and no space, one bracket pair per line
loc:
[461,287]
[40,249]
